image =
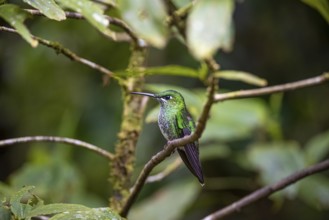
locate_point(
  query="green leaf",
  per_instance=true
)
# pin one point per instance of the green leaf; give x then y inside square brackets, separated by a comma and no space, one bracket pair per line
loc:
[93,12]
[91,214]
[62,211]
[317,148]
[209,27]
[276,161]
[203,71]
[111,2]
[314,190]
[165,203]
[172,70]
[49,8]
[19,209]
[15,16]
[57,208]
[321,5]
[147,19]
[241,76]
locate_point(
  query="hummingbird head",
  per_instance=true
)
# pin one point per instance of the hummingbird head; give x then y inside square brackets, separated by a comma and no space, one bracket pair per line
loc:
[168,99]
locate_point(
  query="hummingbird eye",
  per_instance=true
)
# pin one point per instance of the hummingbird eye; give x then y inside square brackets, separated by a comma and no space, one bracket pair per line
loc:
[167,97]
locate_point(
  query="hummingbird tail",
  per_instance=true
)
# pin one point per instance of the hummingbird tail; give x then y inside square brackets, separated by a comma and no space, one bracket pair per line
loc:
[190,156]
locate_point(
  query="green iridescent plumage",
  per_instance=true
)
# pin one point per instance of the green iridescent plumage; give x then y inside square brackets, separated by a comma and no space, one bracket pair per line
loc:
[176,122]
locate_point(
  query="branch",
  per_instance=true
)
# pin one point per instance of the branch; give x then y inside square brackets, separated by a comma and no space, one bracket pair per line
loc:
[268,190]
[115,21]
[168,149]
[166,172]
[64,140]
[273,89]
[60,49]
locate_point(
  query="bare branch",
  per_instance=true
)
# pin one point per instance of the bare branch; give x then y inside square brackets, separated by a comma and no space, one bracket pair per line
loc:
[60,49]
[115,21]
[273,89]
[166,172]
[64,140]
[268,190]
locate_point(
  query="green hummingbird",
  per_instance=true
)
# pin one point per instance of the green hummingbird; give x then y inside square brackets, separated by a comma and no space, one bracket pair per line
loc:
[176,122]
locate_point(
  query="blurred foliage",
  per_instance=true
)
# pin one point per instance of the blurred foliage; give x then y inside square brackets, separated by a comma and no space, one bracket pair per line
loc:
[161,205]
[247,143]
[23,204]
[321,5]
[209,27]
[147,19]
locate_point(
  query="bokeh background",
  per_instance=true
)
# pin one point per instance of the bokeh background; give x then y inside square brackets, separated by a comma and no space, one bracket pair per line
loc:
[247,143]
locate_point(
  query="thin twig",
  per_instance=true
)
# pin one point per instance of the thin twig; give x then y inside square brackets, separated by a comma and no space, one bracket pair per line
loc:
[273,89]
[64,140]
[166,172]
[60,49]
[268,190]
[115,21]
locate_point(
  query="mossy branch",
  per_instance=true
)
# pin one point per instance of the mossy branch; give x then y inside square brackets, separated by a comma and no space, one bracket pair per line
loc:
[133,108]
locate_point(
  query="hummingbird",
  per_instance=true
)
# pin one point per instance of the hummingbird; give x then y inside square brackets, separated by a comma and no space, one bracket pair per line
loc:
[175,122]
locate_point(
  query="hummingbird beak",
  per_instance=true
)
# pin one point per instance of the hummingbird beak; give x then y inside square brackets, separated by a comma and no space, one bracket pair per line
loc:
[144,94]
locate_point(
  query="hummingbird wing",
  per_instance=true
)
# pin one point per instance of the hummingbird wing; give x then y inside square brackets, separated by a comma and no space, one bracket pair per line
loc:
[190,152]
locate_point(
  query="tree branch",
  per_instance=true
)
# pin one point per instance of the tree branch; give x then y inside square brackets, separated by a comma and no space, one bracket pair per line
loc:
[268,190]
[60,49]
[168,170]
[131,124]
[64,140]
[273,89]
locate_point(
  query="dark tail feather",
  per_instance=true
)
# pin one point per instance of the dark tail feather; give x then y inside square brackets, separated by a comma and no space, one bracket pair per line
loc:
[190,156]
